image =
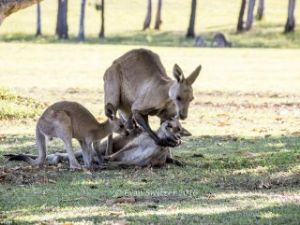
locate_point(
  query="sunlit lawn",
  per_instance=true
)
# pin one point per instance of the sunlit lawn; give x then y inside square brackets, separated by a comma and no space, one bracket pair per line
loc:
[242,164]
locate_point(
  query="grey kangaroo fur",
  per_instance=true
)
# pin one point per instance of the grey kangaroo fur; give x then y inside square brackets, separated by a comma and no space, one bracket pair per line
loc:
[220,41]
[67,120]
[143,151]
[137,84]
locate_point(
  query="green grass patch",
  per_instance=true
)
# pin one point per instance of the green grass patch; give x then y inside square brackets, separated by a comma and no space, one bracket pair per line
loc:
[13,106]
[225,184]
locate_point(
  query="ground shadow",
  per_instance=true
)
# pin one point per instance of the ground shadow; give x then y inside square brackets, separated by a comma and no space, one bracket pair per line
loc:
[263,36]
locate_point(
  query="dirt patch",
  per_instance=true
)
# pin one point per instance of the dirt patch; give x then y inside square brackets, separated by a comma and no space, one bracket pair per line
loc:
[26,175]
[248,105]
[249,182]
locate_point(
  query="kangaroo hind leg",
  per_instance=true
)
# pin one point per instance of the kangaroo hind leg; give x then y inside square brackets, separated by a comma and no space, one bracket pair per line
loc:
[87,153]
[63,131]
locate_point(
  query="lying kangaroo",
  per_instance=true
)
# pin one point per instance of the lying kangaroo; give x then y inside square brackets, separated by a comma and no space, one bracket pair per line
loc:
[137,84]
[220,41]
[67,120]
[143,151]
[134,148]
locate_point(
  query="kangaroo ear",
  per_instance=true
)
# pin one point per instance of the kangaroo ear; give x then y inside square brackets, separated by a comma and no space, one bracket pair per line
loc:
[169,125]
[191,79]
[122,118]
[110,112]
[177,73]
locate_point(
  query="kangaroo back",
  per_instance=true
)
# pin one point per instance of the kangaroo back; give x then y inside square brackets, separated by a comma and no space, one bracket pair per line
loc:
[131,75]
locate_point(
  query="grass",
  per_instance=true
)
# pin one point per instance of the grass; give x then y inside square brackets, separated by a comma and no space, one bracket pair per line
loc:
[18,107]
[242,163]
[124,22]
[234,189]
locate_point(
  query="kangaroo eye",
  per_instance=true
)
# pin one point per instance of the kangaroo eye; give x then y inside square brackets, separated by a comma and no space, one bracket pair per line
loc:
[178,98]
[122,126]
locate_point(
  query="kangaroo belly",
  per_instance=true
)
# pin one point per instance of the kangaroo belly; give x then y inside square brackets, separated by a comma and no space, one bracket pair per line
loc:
[139,155]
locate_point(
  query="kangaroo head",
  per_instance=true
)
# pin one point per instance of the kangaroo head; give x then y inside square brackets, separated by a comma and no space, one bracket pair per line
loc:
[129,124]
[171,129]
[181,91]
[117,125]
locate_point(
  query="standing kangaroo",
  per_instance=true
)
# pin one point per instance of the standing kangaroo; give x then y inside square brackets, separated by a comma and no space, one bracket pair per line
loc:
[137,84]
[67,120]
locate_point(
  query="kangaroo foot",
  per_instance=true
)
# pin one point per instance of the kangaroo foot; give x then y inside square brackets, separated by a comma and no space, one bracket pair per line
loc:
[75,166]
[174,161]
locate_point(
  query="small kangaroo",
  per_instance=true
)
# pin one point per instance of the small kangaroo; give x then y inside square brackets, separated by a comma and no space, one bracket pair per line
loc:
[67,120]
[143,151]
[137,84]
[220,41]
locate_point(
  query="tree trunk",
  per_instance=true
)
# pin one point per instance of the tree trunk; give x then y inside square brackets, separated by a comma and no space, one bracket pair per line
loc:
[260,10]
[190,31]
[148,15]
[81,21]
[58,17]
[290,23]
[38,20]
[250,13]
[102,30]
[240,25]
[158,15]
[8,7]
[61,23]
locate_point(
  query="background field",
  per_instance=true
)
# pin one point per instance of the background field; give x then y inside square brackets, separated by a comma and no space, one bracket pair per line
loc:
[242,163]
[124,20]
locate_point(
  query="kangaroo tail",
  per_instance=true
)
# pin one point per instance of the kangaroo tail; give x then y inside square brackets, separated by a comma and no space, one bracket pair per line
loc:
[20,157]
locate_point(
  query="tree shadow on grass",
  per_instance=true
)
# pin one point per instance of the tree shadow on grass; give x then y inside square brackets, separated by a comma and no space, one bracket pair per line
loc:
[279,214]
[263,36]
[213,164]
[165,39]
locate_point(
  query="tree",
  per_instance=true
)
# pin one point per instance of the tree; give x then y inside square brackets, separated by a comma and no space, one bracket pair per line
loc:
[81,21]
[249,21]
[11,6]
[148,15]
[61,23]
[240,24]
[260,10]
[190,31]
[158,15]
[290,23]
[101,33]
[38,20]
